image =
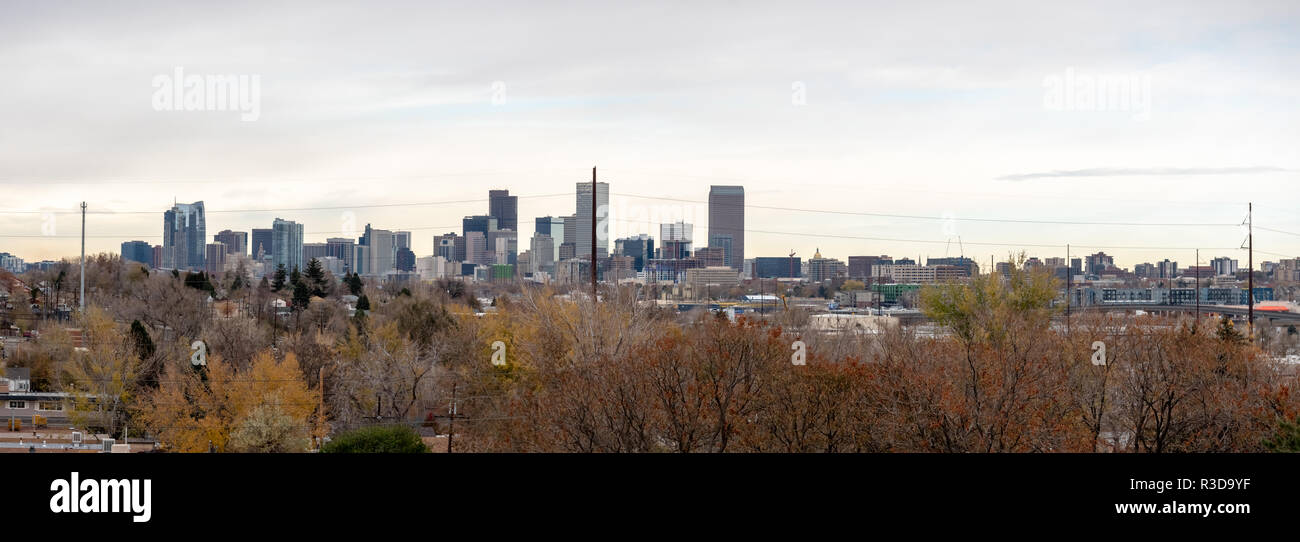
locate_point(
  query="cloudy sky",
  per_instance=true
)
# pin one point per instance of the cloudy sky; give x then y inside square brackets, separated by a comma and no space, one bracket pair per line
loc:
[855,127]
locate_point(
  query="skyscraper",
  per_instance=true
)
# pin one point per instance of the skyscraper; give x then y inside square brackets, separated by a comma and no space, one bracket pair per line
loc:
[380,253]
[552,226]
[286,245]
[184,236]
[137,251]
[446,246]
[505,208]
[675,240]
[261,245]
[727,223]
[582,228]
[641,248]
[236,242]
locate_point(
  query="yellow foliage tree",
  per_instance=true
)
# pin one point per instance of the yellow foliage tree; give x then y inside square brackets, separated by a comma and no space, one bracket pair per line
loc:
[190,413]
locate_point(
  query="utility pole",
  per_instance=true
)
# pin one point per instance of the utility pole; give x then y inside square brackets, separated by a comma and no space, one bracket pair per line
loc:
[451,423]
[320,388]
[1197,290]
[1069,277]
[593,248]
[1250,269]
[83,257]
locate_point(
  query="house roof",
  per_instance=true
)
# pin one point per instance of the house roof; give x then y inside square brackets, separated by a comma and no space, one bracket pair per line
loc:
[17,373]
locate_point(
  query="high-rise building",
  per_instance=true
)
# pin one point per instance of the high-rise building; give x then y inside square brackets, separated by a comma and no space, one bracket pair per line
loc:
[675,240]
[236,241]
[727,223]
[476,248]
[542,247]
[480,223]
[137,251]
[553,226]
[343,248]
[640,248]
[505,208]
[316,251]
[184,236]
[1098,263]
[504,245]
[286,245]
[215,260]
[1224,266]
[1167,269]
[261,246]
[447,247]
[381,251]
[582,228]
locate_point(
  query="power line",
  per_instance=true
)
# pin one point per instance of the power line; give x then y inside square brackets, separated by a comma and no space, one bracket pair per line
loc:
[946,218]
[935,241]
[288,209]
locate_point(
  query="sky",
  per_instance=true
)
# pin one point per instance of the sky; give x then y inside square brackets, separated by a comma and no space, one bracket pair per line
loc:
[857,128]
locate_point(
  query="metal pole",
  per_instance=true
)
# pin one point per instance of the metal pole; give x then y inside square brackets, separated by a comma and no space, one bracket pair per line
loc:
[1250,270]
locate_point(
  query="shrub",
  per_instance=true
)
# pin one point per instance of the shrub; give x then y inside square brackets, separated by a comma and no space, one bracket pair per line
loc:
[388,439]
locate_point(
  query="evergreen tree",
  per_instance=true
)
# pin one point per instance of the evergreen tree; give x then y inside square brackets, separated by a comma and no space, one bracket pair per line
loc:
[355,286]
[316,278]
[1228,332]
[144,347]
[363,303]
[301,296]
[295,277]
[277,282]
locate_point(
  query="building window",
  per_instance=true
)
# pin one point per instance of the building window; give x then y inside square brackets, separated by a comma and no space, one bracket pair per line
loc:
[49,405]
[17,405]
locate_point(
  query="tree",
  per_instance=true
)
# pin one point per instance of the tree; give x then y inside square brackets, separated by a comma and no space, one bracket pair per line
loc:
[355,286]
[189,413]
[1228,333]
[277,282]
[1287,438]
[301,296]
[268,429]
[316,278]
[387,439]
[295,277]
[144,348]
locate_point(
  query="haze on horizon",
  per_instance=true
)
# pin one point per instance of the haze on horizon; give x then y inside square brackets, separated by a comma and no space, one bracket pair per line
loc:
[923,111]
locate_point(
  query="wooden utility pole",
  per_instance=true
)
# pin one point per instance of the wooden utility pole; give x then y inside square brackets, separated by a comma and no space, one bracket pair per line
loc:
[593,241]
[1069,277]
[451,411]
[1197,290]
[320,388]
[1250,269]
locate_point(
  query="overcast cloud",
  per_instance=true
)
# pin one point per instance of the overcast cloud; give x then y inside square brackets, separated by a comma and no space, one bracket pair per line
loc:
[909,109]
